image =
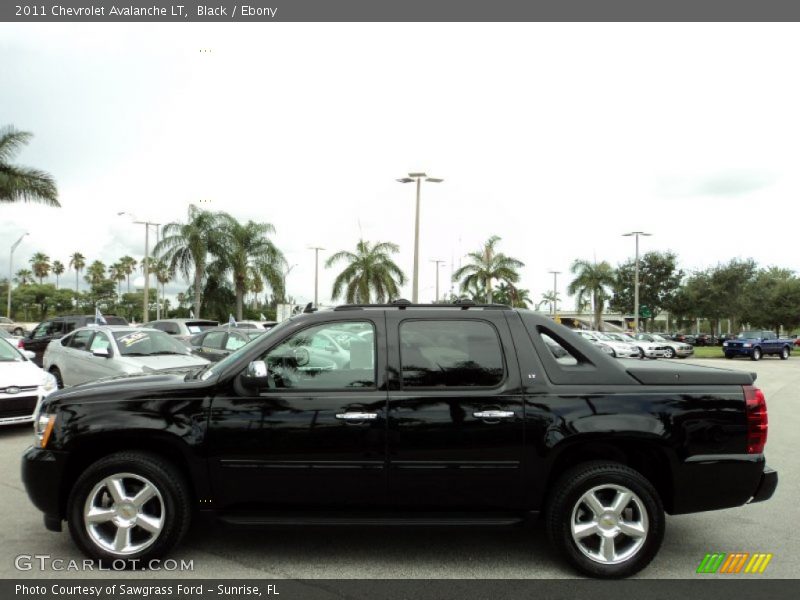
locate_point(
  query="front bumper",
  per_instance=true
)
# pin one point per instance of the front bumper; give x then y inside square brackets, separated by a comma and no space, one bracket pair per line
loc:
[685,352]
[43,475]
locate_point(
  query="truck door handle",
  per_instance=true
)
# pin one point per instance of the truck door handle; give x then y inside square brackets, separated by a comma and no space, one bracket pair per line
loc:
[357,416]
[494,414]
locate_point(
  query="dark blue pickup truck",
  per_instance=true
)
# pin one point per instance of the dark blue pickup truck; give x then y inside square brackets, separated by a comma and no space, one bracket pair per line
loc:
[756,344]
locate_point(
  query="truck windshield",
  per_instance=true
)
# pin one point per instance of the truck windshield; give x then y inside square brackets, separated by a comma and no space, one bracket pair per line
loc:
[749,335]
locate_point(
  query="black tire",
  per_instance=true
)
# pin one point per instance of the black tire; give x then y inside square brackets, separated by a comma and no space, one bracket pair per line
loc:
[18,331]
[565,504]
[729,355]
[669,352]
[55,372]
[641,353]
[173,502]
[785,353]
[756,355]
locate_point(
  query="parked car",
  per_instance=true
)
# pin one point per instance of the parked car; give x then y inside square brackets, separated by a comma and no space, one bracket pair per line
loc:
[686,338]
[58,327]
[705,339]
[756,344]
[182,329]
[724,337]
[647,348]
[22,384]
[451,414]
[265,325]
[217,343]
[619,349]
[97,352]
[14,340]
[14,327]
[671,347]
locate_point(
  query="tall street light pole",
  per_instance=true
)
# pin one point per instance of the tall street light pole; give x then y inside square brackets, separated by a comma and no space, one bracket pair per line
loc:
[438,264]
[146,299]
[417,177]
[11,271]
[555,291]
[636,279]
[316,250]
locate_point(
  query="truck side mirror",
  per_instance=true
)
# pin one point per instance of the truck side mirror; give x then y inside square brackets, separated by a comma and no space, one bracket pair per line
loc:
[256,376]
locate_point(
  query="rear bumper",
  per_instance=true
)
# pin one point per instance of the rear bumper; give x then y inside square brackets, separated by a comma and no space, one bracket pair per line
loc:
[715,481]
[767,486]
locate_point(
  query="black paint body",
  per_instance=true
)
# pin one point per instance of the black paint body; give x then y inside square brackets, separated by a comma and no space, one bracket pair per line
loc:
[251,454]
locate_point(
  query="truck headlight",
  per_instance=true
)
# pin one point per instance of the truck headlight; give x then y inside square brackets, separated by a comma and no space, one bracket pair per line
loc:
[42,428]
[724,344]
[747,345]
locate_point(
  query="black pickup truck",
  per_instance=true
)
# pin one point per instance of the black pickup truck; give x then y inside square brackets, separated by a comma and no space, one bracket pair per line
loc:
[404,414]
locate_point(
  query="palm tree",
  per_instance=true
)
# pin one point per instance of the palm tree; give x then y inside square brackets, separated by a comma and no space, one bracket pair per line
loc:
[41,265]
[96,273]
[77,261]
[128,265]
[22,183]
[118,274]
[550,298]
[508,293]
[163,276]
[186,246]
[24,276]
[592,280]
[248,252]
[370,269]
[487,265]
[58,270]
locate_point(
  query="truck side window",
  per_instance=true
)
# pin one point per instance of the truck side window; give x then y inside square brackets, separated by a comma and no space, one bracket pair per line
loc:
[450,353]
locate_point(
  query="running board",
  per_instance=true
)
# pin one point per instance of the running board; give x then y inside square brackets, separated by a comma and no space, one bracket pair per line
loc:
[413,521]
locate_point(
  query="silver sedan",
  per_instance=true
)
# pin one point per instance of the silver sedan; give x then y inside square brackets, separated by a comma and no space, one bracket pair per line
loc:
[95,352]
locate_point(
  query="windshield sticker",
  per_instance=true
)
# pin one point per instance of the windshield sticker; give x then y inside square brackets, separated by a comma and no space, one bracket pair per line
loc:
[132,338]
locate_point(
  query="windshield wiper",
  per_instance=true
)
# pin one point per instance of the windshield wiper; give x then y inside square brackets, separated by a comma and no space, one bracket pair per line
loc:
[162,352]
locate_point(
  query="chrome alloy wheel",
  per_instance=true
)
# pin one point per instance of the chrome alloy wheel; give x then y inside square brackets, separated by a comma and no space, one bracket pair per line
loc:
[609,524]
[124,514]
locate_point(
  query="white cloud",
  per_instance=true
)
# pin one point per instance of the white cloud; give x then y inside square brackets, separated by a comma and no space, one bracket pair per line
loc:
[557,137]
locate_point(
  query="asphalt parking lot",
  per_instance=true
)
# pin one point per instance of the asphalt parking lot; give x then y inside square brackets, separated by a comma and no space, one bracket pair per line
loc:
[219,552]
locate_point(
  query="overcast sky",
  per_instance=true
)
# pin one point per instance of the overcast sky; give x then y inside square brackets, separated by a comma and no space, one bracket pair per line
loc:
[557,137]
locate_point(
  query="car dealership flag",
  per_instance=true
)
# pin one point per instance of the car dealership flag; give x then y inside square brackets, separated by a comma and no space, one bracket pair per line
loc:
[191,314]
[99,319]
[231,321]
[263,318]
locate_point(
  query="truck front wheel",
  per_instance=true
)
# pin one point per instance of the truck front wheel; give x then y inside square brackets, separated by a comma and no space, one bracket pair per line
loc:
[756,355]
[606,519]
[129,506]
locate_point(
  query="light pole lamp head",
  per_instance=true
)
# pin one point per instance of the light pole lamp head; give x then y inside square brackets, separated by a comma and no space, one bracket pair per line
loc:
[417,175]
[405,180]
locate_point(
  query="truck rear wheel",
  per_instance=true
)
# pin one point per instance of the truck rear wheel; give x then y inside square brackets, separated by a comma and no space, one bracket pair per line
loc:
[606,519]
[784,352]
[756,355]
[131,507]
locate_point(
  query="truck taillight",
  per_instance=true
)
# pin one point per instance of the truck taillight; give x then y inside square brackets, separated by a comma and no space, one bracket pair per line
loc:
[756,407]
[20,344]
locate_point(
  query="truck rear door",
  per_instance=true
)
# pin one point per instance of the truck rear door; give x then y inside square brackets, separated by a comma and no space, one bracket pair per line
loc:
[455,436]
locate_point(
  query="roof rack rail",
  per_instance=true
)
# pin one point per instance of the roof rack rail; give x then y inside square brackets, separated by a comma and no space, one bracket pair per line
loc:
[402,304]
